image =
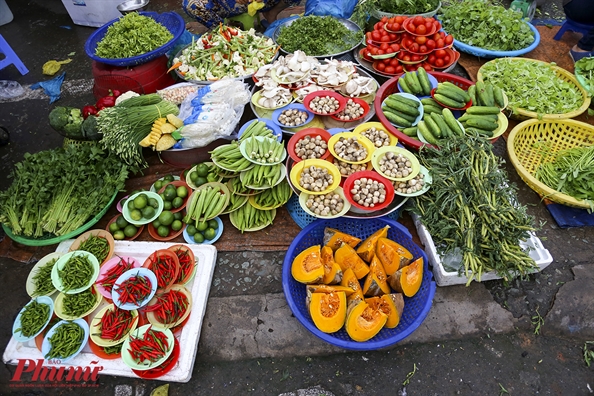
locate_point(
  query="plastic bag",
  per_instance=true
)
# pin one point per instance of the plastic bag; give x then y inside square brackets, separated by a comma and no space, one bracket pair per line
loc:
[213,127]
[270,30]
[10,89]
[52,88]
[336,8]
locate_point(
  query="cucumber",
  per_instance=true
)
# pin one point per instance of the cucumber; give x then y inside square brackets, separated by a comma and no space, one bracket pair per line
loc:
[405,100]
[404,85]
[429,101]
[413,82]
[411,132]
[448,101]
[457,89]
[481,132]
[481,93]
[481,123]
[424,80]
[449,119]
[472,93]
[488,117]
[424,131]
[432,109]
[407,117]
[450,93]
[443,127]
[489,98]
[397,120]
[498,96]
[479,110]
[433,127]
[400,107]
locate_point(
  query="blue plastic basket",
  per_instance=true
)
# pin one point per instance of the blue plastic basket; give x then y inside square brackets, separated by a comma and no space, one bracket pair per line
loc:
[483,53]
[171,20]
[415,308]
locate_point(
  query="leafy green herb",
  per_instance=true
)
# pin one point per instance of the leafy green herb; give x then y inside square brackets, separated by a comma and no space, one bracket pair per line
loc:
[486,25]
[588,352]
[533,86]
[537,321]
[132,35]
[316,36]
[584,70]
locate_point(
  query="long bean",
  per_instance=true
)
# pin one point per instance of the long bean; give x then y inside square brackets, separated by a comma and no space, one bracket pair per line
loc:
[65,341]
[97,246]
[42,280]
[33,318]
[76,273]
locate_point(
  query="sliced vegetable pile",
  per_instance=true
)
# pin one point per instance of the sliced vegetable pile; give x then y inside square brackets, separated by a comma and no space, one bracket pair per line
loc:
[132,35]
[486,25]
[48,197]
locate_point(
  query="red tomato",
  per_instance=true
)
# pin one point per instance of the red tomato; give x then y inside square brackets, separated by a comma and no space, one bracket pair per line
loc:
[440,43]
[437,24]
[384,46]
[440,53]
[384,19]
[429,26]
[427,67]
[421,40]
[380,52]
[373,50]
[394,62]
[390,70]
[399,69]
[400,55]
[436,36]
[421,29]
[439,62]
[430,45]
[419,20]
[390,26]
[414,47]
[407,42]
[377,26]
[376,36]
[386,61]
[385,39]
[446,59]
[406,58]
[393,36]
[389,50]
[411,27]
[415,58]
[395,47]
[431,59]
[423,49]
[449,39]
[442,34]
[397,26]
[399,19]
[380,66]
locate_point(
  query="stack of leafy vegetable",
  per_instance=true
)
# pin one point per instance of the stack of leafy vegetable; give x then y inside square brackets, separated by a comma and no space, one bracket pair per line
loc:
[532,85]
[317,36]
[366,8]
[132,35]
[584,72]
[472,208]
[57,191]
[487,25]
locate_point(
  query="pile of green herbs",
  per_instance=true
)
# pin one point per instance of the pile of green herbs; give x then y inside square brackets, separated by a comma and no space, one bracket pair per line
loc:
[132,35]
[533,86]
[123,126]
[471,209]
[56,191]
[366,8]
[584,71]
[570,172]
[486,25]
[317,36]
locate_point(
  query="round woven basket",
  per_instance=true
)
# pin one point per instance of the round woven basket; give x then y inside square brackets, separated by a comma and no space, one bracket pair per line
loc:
[557,135]
[522,114]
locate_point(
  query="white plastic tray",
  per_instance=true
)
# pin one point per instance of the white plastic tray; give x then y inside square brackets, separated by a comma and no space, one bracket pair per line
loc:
[188,338]
[539,254]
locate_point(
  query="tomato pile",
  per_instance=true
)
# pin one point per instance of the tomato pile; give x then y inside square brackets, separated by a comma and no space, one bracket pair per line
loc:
[412,43]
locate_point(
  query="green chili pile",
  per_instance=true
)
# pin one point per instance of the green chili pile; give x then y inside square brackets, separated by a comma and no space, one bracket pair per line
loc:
[65,341]
[97,246]
[76,273]
[33,318]
[42,280]
[316,36]
[75,305]
[472,208]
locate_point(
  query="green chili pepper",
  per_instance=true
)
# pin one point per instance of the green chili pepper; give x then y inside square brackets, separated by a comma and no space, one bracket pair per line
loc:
[77,304]
[97,246]
[65,341]
[42,280]
[112,350]
[76,273]
[33,318]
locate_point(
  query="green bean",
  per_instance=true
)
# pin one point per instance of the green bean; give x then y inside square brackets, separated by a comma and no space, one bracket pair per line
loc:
[65,341]
[97,246]
[76,273]
[42,280]
[77,304]
[33,318]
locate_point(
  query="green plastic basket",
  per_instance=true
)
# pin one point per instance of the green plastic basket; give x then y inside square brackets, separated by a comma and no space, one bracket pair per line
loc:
[51,239]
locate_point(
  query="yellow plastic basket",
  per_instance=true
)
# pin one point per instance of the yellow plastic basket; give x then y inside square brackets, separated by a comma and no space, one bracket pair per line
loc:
[522,114]
[558,135]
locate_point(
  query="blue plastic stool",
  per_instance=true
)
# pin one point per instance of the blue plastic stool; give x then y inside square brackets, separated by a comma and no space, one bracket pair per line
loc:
[573,26]
[11,58]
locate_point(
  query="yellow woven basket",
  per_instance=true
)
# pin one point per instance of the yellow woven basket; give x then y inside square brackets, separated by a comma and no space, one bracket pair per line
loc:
[522,114]
[558,135]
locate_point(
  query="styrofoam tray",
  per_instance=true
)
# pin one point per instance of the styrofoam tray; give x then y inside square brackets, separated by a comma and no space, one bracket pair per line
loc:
[539,254]
[188,338]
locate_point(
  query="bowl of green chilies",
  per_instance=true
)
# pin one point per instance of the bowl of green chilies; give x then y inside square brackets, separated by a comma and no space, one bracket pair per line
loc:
[39,281]
[65,340]
[98,242]
[75,272]
[78,305]
[33,318]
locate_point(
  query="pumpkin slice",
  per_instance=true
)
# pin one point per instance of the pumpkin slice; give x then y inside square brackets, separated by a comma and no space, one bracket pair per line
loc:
[329,289]
[332,271]
[350,280]
[390,304]
[367,249]
[307,267]
[328,311]
[408,280]
[376,282]
[347,257]
[392,255]
[364,322]
[334,239]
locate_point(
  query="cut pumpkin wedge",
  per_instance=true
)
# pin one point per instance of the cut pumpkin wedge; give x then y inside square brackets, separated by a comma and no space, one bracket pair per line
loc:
[367,248]
[408,280]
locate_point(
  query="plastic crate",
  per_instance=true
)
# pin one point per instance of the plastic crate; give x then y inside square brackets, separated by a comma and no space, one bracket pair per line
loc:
[415,308]
[171,20]
[539,254]
[391,86]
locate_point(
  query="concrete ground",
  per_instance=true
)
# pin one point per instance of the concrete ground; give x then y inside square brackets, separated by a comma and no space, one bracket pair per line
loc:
[477,340]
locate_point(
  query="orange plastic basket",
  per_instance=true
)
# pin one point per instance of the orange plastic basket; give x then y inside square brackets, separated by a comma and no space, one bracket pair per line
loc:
[557,135]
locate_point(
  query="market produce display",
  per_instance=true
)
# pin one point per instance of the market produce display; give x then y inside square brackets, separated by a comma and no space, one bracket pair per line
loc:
[364,8]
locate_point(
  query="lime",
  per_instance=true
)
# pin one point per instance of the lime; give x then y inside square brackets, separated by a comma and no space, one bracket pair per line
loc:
[210,233]
[168,178]
[166,217]
[140,201]
[191,229]
[121,222]
[170,193]
[182,191]
[148,212]
[212,177]
[163,231]
[113,227]
[198,237]
[156,223]
[176,225]
[167,205]
[130,205]
[213,224]
[200,181]
[130,230]
[162,195]
[119,235]
[193,177]
[158,185]
[178,216]
[202,170]
[136,215]
[202,226]
[177,202]
[153,203]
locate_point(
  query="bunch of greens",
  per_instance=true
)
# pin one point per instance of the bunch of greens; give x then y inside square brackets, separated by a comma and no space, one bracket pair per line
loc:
[570,172]
[472,208]
[365,8]
[486,25]
[533,86]
[57,191]
[584,71]
[317,35]
[132,35]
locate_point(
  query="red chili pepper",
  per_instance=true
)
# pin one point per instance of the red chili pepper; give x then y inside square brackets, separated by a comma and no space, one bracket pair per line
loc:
[106,101]
[134,290]
[115,92]
[89,110]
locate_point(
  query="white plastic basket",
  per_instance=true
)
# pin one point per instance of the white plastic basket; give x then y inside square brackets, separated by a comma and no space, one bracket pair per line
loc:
[539,254]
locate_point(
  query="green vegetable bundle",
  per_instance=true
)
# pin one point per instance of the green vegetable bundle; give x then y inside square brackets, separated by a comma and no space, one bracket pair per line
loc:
[472,208]
[57,191]
[486,25]
[365,8]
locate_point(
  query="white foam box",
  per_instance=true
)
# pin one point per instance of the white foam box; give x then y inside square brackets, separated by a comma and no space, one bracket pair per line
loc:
[188,338]
[533,245]
[94,13]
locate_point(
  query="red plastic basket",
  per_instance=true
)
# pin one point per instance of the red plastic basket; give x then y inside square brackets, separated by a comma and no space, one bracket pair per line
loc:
[313,132]
[391,86]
